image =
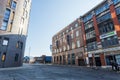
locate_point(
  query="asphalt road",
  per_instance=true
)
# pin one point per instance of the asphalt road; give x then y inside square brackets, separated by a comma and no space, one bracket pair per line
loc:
[53,72]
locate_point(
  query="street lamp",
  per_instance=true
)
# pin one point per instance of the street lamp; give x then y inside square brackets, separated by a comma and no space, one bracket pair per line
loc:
[29,53]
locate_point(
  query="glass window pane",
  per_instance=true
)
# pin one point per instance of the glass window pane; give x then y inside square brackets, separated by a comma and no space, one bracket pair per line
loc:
[7,14]
[13,6]
[4,25]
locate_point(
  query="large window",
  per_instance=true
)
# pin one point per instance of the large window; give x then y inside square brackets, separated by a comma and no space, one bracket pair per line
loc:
[115,1]
[5,20]
[90,34]
[7,15]
[107,42]
[4,25]
[13,6]
[92,46]
[106,27]
[87,17]
[102,8]
[89,25]
[104,18]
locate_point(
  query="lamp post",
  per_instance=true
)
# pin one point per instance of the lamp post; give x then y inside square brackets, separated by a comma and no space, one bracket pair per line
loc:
[29,53]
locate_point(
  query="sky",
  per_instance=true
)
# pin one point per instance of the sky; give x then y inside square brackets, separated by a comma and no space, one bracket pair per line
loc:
[49,17]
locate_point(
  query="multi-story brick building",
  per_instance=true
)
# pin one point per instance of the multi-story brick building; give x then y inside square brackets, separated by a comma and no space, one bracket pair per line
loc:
[101,34]
[68,45]
[101,27]
[14,19]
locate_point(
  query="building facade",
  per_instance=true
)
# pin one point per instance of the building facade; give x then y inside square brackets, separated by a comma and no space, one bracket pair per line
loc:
[67,45]
[100,33]
[101,27]
[14,19]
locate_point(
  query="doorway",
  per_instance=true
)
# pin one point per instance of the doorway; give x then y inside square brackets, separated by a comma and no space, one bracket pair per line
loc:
[97,61]
[81,62]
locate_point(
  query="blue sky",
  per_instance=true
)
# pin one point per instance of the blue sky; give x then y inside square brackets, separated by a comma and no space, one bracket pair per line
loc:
[50,16]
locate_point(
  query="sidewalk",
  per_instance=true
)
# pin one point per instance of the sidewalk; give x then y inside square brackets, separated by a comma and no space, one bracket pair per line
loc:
[108,69]
[14,68]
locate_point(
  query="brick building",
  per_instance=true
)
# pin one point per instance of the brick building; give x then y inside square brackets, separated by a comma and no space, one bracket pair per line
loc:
[68,45]
[100,31]
[14,19]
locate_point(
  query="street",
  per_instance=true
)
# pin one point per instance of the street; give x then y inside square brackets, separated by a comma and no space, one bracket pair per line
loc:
[54,72]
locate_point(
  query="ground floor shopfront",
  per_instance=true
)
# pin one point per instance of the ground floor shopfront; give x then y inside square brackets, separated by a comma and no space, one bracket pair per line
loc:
[104,57]
[71,57]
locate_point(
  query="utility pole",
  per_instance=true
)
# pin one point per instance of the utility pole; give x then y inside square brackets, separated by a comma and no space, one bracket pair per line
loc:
[29,53]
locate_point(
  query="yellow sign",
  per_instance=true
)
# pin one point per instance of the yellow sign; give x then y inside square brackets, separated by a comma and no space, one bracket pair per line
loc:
[3,58]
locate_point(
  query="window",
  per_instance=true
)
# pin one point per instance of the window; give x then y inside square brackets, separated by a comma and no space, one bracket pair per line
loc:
[68,39]
[4,25]
[57,44]
[7,15]
[69,59]
[64,48]
[78,43]
[107,42]
[77,33]
[106,27]
[73,58]
[76,25]
[119,18]
[22,21]
[16,57]
[68,47]
[90,34]
[104,18]
[92,46]
[72,36]
[102,8]
[71,28]
[4,57]
[26,14]
[13,6]
[5,42]
[19,45]
[87,17]
[118,10]
[25,4]
[5,20]
[115,1]
[73,45]
[67,31]
[89,25]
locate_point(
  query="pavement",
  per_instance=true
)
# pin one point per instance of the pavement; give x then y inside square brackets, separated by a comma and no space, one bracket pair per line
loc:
[56,72]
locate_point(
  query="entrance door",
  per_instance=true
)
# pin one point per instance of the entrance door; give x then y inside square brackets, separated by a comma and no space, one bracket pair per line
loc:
[81,62]
[97,61]
[90,61]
